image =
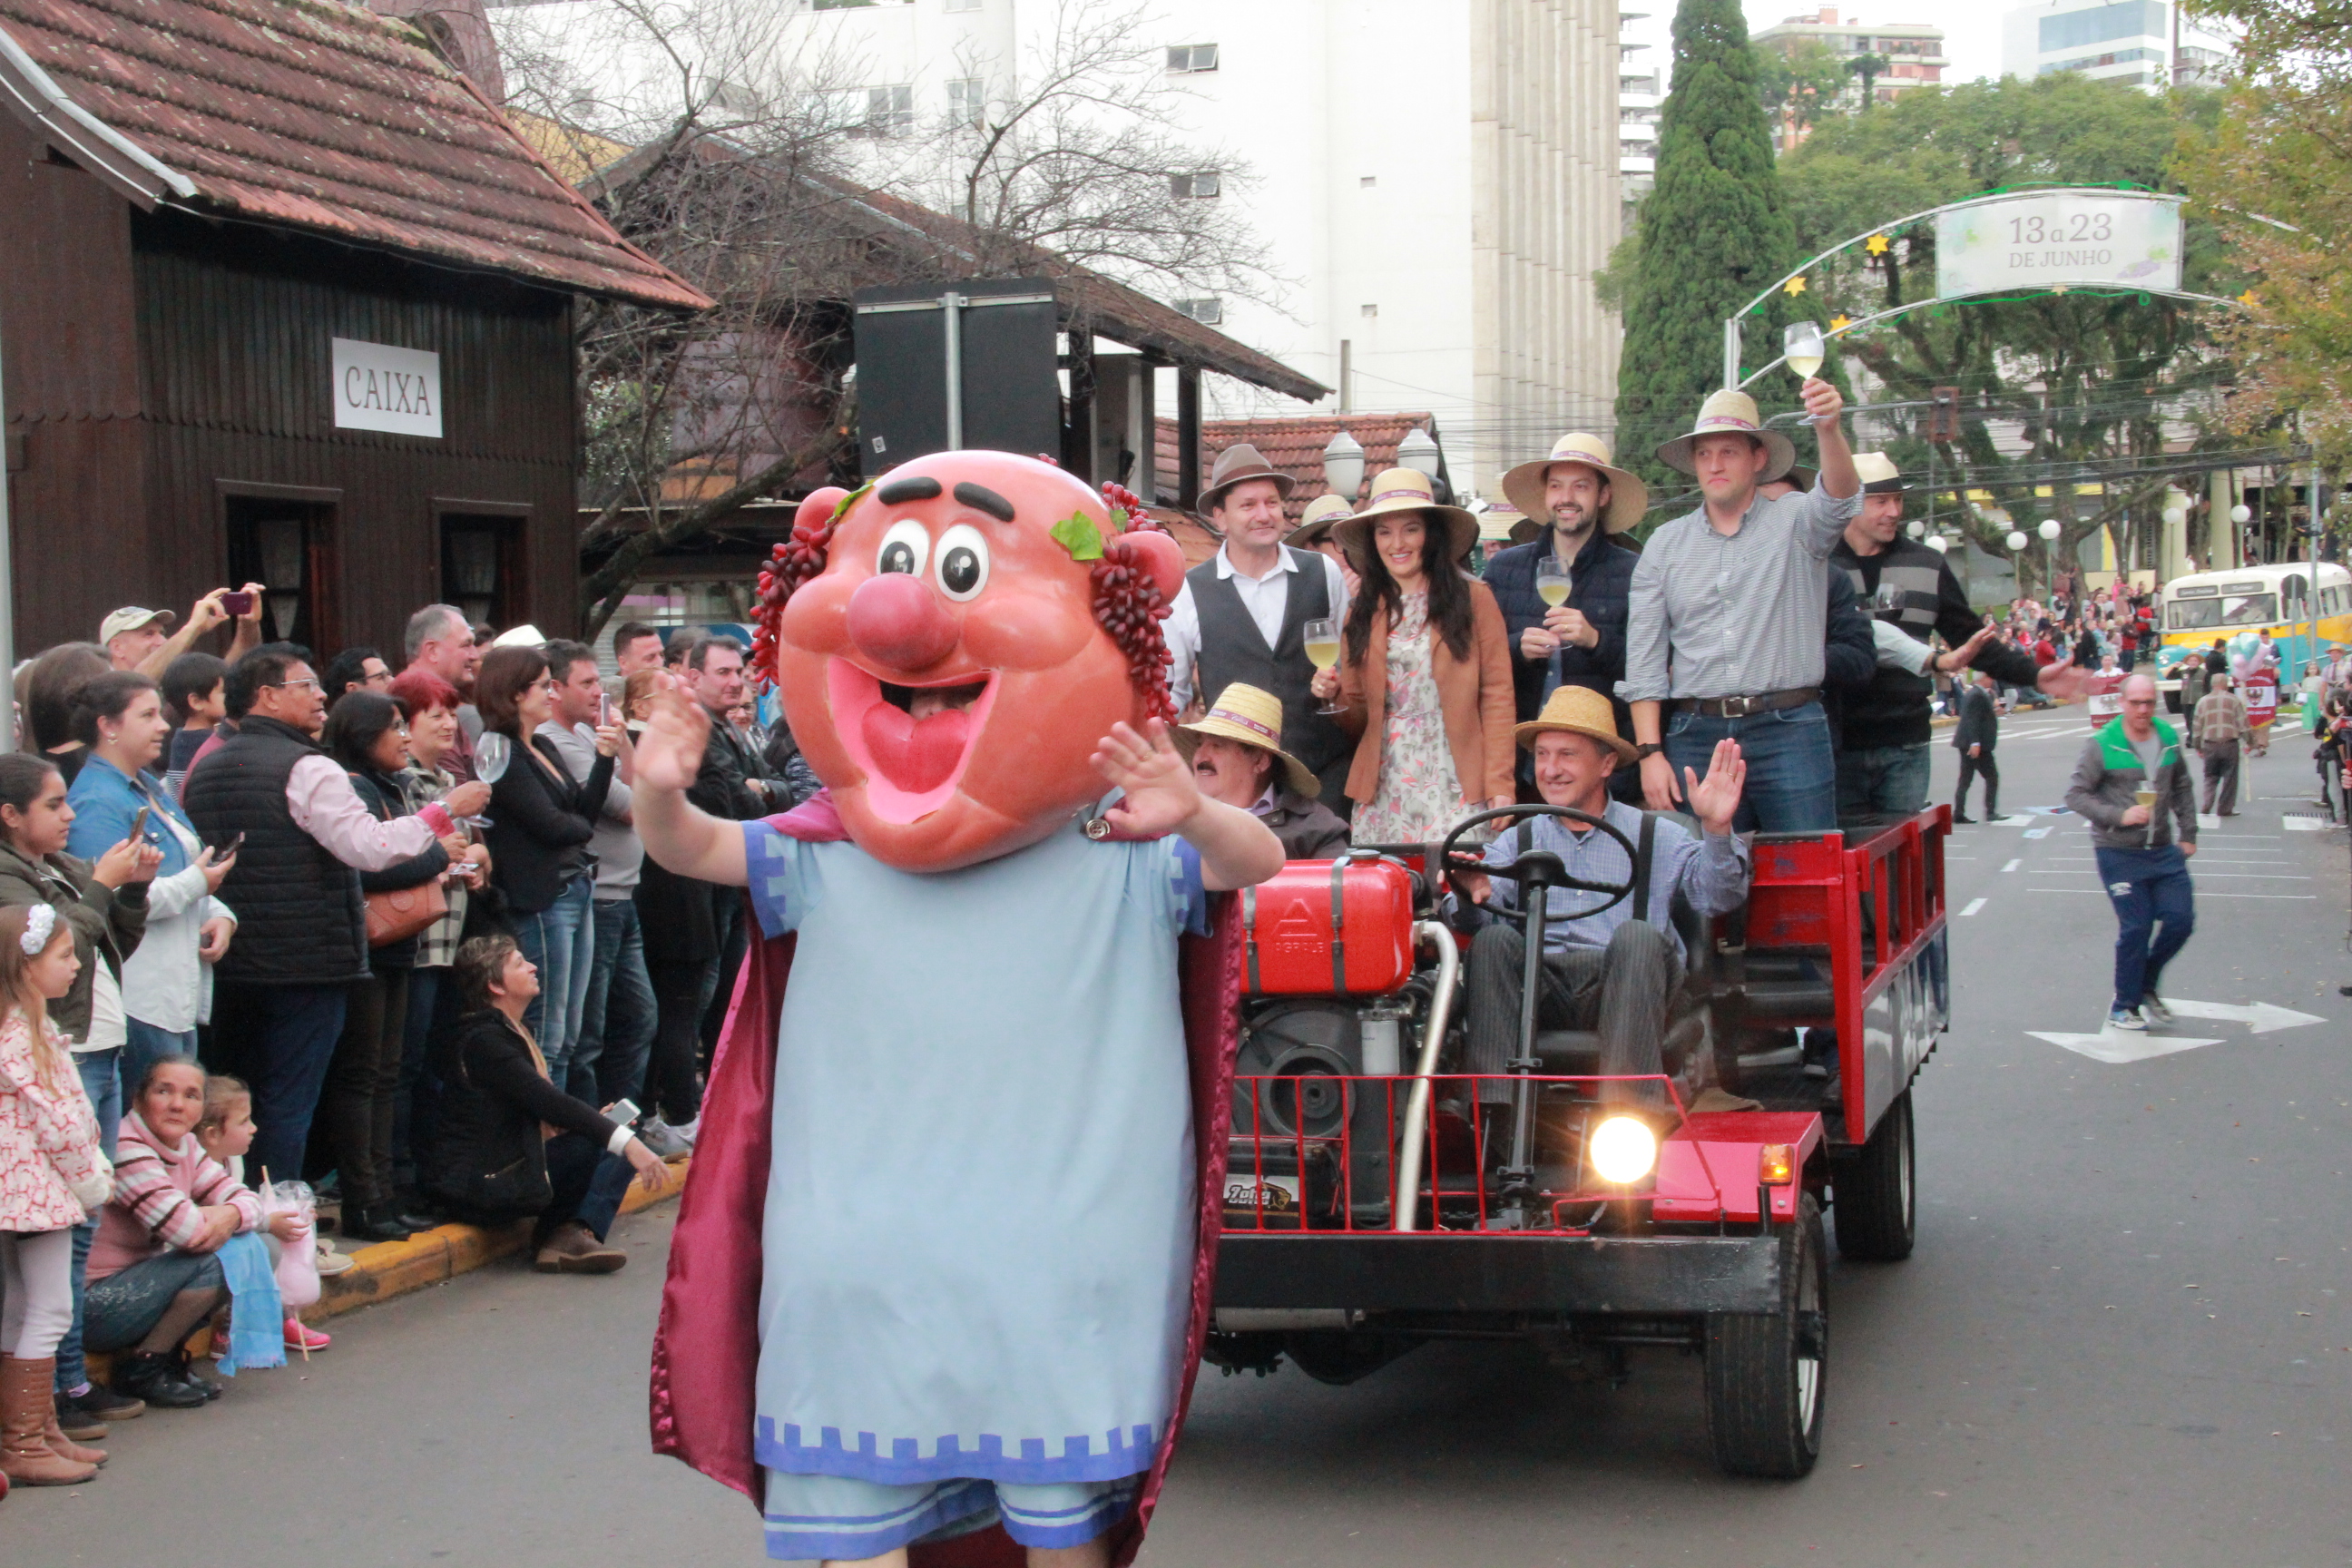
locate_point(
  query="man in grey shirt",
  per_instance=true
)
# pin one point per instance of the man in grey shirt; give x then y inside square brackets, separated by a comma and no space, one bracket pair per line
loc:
[617,1023]
[1727,612]
[1615,970]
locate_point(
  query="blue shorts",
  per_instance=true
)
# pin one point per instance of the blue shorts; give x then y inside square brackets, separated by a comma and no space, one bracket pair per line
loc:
[835,1517]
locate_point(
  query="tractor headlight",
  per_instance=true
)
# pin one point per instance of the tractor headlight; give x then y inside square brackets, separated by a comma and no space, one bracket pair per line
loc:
[1623,1149]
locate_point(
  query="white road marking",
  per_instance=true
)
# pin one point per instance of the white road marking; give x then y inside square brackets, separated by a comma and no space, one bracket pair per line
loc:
[2013,866]
[2037,832]
[1973,907]
[2260,1017]
[2116,1047]
[2304,824]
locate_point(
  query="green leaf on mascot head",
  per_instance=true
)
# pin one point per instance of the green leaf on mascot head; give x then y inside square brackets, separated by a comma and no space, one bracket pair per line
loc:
[1080,535]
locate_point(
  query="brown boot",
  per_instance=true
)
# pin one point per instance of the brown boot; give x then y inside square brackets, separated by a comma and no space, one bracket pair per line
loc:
[27,1412]
[65,1447]
[572,1248]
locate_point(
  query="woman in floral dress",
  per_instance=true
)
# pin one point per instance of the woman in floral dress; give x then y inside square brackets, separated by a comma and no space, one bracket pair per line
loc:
[1424,675]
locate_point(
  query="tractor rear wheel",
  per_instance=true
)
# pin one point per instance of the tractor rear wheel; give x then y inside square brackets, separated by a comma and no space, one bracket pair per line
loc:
[1766,1371]
[1873,1195]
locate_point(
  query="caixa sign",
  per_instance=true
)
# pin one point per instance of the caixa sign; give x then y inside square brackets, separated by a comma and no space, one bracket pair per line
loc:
[380,387]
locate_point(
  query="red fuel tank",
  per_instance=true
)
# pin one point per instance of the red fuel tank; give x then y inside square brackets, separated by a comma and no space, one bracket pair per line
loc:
[1322,928]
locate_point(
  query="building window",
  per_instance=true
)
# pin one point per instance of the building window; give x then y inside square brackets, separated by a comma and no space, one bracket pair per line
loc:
[889,111]
[2100,23]
[1367,311]
[961,5]
[1191,59]
[966,100]
[1201,187]
[1368,182]
[1209,312]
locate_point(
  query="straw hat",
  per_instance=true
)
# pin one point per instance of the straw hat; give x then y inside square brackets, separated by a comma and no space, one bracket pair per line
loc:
[1253,718]
[1405,489]
[1579,711]
[1628,497]
[1730,413]
[1315,522]
[1880,476]
[1239,464]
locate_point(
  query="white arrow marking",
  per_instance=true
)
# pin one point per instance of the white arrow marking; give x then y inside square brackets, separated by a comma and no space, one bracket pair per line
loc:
[2261,1017]
[2117,1046]
[2037,833]
[2303,825]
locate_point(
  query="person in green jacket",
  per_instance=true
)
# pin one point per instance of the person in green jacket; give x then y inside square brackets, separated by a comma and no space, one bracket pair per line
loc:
[2132,786]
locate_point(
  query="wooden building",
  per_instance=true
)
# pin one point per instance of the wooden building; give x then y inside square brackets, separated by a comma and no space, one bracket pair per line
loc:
[284,299]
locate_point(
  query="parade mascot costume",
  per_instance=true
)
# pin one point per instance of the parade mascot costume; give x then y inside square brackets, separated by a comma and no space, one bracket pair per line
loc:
[941,1273]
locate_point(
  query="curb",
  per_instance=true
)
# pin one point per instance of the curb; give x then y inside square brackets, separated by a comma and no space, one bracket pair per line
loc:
[394,1268]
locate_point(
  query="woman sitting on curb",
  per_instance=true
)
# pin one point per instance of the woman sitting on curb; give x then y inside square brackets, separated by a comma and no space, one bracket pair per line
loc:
[153,1275]
[512,1144]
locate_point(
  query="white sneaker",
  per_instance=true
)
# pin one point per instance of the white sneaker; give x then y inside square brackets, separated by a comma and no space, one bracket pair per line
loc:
[689,1130]
[331,1262]
[2126,1018]
[2153,1006]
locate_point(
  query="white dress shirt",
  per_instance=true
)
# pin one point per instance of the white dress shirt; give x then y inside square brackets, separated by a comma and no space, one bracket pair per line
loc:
[1268,600]
[320,798]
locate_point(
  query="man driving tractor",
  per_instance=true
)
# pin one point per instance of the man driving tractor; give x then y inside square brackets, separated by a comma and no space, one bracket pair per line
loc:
[1615,970]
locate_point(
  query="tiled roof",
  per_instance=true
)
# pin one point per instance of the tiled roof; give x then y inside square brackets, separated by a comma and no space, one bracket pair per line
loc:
[313,116]
[1294,445]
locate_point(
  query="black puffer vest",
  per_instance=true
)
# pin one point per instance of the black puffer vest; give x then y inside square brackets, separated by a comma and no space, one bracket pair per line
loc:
[300,918]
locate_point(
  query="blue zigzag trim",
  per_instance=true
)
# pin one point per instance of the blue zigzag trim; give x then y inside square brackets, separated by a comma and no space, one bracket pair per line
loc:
[901,1461]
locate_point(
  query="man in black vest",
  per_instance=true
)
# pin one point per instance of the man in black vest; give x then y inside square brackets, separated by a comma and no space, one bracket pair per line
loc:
[302,838]
[1242,613]
[1882,764]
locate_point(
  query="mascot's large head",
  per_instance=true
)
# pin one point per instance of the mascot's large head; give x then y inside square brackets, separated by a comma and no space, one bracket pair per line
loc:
[951,642]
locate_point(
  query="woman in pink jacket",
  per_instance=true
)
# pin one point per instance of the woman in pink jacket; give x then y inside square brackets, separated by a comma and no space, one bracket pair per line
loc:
[51,1176]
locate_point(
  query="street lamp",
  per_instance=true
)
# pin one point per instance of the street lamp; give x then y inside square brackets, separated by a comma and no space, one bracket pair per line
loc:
[1418,452]
[2016,542]
[1914,528]
[2241,515]
[2049,530]
[1343,465]
[1938,544]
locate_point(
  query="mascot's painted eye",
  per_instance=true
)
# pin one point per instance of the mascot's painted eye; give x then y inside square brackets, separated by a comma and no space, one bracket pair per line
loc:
[905,548]
[964,562]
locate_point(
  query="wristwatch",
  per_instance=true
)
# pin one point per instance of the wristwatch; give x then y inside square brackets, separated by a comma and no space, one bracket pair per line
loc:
[1646,750]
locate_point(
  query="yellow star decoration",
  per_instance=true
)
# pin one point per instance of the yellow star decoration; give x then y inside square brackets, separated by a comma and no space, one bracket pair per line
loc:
[1794,286]
[2247,298]
[1840,323]
[1877,245]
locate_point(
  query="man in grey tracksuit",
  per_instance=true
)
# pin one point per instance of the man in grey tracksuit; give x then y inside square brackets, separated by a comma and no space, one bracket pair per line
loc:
[2144,870]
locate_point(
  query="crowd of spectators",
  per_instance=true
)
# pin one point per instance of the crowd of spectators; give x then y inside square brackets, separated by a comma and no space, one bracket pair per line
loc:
[267,916]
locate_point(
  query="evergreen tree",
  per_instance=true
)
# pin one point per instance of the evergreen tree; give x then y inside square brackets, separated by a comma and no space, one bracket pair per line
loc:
[1712,232]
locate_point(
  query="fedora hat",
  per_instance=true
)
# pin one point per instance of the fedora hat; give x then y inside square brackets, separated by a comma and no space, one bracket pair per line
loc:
[1730,413]
[1579,711]
[1880,476]
[1628,497]
[1252,718]
[1317,520]
[1239,464]
[1405,489]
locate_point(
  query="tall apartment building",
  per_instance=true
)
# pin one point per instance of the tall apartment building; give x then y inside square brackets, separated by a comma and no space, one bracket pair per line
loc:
[1641,91]
[1437,185]
[2137,42]
[1913,53]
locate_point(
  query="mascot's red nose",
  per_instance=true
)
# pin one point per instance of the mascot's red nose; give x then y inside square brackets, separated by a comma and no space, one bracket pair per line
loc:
[895,620]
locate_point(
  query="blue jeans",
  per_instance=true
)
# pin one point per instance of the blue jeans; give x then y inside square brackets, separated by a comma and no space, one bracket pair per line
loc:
[149,1042]
[2151,891]
[102,1079]
[561,940]
[616,1027]
[1791,774]
[587,1182]
[416,1094]
[1881,781]
[283,1037]
[125,1308]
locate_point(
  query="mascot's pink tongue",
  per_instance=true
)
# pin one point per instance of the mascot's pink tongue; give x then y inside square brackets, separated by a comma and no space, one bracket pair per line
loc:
[916,757]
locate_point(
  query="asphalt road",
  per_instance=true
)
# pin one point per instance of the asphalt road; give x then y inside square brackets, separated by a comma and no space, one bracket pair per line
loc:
[2124,1339]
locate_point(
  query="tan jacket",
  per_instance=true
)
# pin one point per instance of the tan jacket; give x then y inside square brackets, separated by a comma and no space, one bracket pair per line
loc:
[1476,695]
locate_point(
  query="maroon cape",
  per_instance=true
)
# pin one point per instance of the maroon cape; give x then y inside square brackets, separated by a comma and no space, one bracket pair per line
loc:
[707,1348]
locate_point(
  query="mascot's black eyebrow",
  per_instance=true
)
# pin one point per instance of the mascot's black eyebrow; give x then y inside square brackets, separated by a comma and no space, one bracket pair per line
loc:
[979,498]
[915,487]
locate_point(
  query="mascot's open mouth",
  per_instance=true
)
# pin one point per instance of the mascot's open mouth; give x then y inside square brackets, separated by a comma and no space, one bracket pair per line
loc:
[912,742]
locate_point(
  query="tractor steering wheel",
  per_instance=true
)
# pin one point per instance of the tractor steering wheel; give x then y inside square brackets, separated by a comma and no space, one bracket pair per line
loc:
[1618,892]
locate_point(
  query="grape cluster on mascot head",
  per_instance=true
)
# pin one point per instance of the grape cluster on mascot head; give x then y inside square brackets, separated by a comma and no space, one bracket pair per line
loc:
[1031,604]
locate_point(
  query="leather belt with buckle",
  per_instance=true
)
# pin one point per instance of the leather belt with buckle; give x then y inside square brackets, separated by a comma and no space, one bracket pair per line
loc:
[1741,706]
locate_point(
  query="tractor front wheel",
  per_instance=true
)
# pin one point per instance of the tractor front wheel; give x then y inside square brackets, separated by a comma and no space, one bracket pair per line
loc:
[1766,1371]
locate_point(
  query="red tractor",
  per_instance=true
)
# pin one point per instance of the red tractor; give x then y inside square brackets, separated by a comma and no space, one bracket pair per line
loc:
[1368,1207]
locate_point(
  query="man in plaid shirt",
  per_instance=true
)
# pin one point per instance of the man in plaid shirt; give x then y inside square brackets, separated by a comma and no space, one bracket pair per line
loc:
[2216,729]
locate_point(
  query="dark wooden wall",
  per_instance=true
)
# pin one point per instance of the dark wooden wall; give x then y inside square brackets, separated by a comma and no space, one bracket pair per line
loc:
[158,363]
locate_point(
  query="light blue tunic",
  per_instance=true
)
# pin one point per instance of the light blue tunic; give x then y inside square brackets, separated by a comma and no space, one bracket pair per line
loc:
[980,1217]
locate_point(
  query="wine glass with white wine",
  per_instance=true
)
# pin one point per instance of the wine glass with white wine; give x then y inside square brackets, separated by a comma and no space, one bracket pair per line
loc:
[1322,639]
[1802,348]
[1553,582]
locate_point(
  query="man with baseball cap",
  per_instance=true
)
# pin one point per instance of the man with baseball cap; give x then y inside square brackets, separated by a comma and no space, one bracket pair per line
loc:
[1882,758]
[143,639]
[1616,970]
[1727,610]
[1242,614]
[1236,755]
[1585,501]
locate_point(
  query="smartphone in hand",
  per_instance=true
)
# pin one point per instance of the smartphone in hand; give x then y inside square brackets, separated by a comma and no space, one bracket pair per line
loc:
[138,825]
[238,605]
